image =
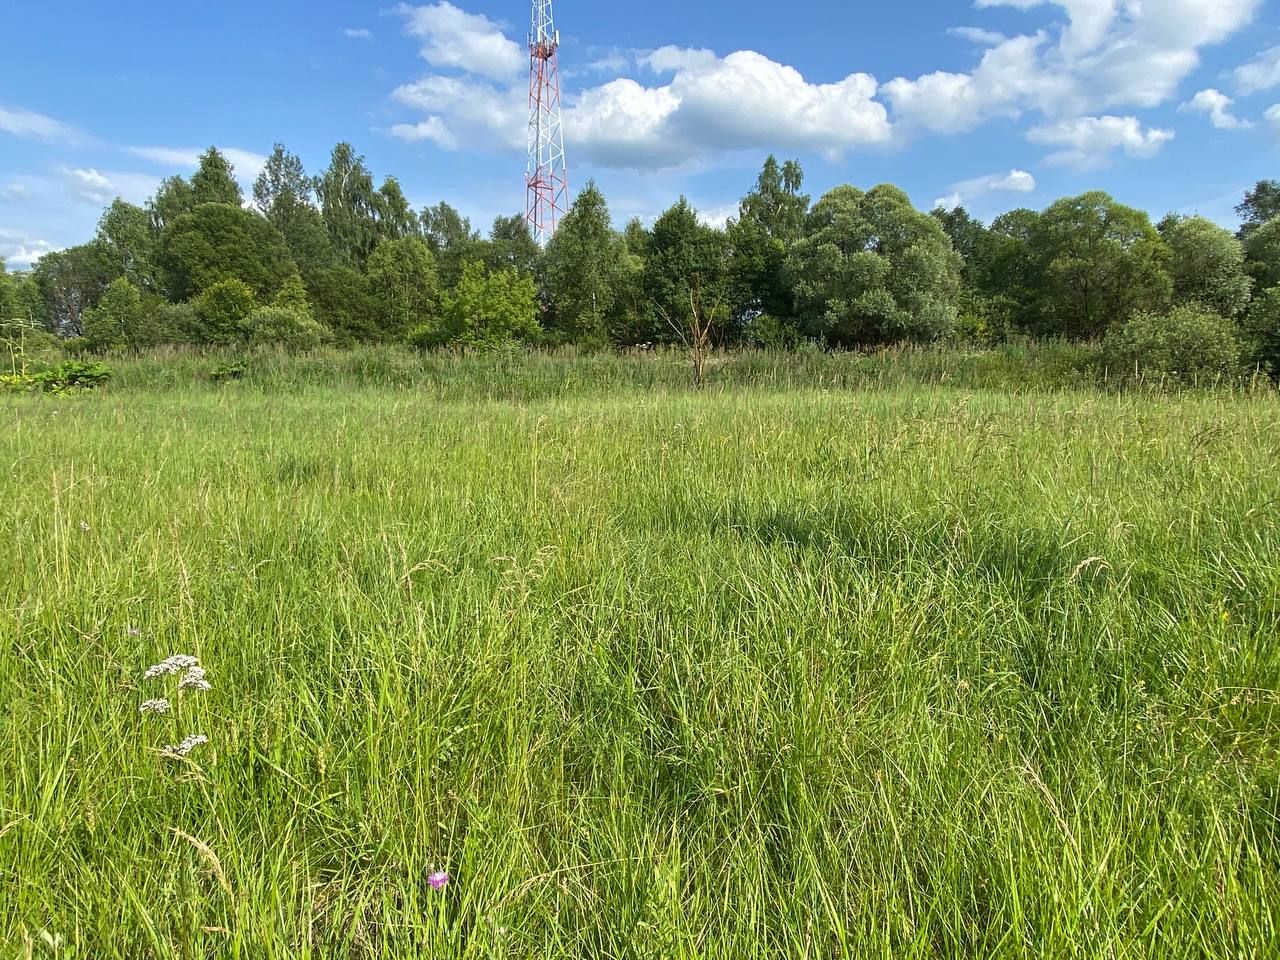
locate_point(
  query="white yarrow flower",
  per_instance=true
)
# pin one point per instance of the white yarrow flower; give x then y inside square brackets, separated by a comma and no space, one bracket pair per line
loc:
[170,666]
[184,748]
[155,706]
[194,679]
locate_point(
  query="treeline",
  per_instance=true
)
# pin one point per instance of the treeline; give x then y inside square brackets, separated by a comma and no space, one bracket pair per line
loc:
[337,259]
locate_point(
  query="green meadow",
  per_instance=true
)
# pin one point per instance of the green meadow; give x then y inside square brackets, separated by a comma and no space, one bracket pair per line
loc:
[814,667]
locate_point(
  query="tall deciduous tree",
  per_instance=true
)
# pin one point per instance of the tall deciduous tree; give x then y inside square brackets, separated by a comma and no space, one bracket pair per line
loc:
[872,269]
[129,244]
[8,308]
[403,284]
[1263,250]
[283,181]
[349,205]
[511,244]
[685,272]
[173,198]
[217,242]
[451,239]
[72,281]
[1260,204]
[396,219]
[1098,261]
[214,180]
[583,271]
[770,219]
[1207,265]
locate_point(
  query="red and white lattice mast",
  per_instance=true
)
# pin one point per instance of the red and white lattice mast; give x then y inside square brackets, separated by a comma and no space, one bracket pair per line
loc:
[546,177]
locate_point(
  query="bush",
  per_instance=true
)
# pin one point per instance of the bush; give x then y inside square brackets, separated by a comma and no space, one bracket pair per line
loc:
[115,319]
[286,327]
[1188,344]
[178,322]
[1263,329]
[67,376]
[224,311]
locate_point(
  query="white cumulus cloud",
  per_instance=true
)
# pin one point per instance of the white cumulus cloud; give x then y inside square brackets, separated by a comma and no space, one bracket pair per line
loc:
[358,33]
[1217,107]
[1107,53]
[1090,142]
[468,41]
[96,187]
[20,249]
[966,191]
[1260,73]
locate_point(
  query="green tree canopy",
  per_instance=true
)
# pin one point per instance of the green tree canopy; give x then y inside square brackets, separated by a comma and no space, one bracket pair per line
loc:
[349,205]
[129,244]
[403,285]
[70,282]
[8,307]
[1207,265]
[1098,262]
[344,303]
[685,269]
[511,244]
[584,269]
[770,219]
[217,242]
[1263,251]
[224,310]
[1260,204]
[451,239]
[485,309]
[172,199]
[872,269]
[214,180]
[117,320]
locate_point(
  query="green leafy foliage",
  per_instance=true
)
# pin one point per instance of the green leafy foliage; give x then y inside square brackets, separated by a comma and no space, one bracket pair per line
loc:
[1187,344]
[871,269]
[214,181]
[485,309]
[116,320]
[1207,265]
[287,328]
[404,286]
[224,310]
[66,377]
[1096,262]
[1262,247]
[1263,330]
[585,266]
[686,269]
[217,242]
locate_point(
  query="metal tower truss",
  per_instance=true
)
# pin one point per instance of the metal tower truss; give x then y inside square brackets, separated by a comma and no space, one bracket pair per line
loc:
[546,176]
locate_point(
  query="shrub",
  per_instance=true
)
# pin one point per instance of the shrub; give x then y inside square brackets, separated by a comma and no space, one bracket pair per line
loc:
[286,327]
[1263,329]
[1188,344]
[178,322]
[67,376]
[116,318]
[224,311]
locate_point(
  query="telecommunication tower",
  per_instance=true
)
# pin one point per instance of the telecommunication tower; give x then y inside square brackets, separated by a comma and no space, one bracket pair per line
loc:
[546,176]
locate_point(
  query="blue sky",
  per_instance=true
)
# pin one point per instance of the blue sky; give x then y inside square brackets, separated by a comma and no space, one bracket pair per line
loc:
[1168,104]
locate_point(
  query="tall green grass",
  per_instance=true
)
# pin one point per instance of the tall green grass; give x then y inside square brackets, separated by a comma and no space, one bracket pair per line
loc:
[915,672]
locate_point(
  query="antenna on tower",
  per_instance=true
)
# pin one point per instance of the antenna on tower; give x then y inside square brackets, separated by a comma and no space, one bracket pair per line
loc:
[546,176]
